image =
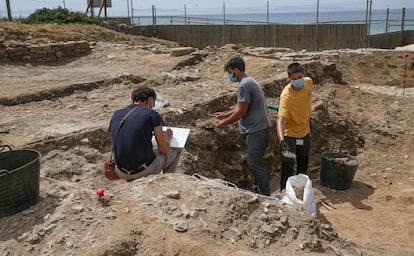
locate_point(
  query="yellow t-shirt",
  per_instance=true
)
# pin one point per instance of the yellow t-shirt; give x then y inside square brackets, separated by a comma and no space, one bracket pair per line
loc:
[295,106]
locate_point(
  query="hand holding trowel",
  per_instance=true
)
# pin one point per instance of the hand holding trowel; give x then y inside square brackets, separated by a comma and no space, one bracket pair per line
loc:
[284,150]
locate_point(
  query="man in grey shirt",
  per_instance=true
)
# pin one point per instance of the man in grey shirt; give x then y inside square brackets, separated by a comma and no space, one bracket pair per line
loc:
[254,122]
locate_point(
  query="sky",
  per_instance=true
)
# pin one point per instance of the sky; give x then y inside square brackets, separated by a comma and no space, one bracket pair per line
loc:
[23,8]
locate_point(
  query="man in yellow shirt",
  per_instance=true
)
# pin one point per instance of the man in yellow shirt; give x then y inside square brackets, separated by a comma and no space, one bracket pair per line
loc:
[293,124]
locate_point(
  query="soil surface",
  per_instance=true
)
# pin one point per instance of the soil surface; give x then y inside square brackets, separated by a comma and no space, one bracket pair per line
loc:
[360,108]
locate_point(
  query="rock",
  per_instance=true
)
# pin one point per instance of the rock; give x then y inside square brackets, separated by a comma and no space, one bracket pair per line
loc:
[77,209]
[176,52]
[181,226]
[172,194]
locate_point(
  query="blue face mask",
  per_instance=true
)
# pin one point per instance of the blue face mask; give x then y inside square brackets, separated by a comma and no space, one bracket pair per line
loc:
[232,78]
[298,83]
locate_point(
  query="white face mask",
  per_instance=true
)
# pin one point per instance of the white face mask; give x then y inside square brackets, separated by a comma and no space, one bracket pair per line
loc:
[232,77]
[298,83]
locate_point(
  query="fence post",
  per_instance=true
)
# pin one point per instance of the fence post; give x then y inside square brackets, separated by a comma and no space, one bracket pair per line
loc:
[9,14]
[267,17]
[129,20]
[403,19]
[132,13]
[185,25]
[185,14]
[224,25]
[387,22]
[370,16]
[317,25]
[154,21]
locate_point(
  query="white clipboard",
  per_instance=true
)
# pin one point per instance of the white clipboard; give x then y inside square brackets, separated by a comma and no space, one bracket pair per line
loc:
[180,136]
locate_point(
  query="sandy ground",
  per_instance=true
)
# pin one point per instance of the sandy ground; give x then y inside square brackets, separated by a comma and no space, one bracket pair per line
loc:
[369,120]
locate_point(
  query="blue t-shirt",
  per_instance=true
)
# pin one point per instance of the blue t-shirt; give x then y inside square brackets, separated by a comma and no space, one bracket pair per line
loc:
[256,118]
[133,145]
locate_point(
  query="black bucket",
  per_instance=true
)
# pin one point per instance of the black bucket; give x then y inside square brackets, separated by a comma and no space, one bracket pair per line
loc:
[19,180]
[338,170]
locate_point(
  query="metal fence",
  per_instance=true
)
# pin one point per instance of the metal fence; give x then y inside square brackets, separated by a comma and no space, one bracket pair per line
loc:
[374,26]
[378,21]
[330,30]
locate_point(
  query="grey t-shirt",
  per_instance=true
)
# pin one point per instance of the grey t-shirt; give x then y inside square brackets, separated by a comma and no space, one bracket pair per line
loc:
[257,117]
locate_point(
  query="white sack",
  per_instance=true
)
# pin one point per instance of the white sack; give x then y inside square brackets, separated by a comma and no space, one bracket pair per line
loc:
[308,200]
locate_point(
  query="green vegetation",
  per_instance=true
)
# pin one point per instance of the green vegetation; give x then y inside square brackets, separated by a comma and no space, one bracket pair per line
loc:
[61,16]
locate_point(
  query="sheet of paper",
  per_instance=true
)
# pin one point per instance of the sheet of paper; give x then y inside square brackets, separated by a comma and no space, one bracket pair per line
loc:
[180,136]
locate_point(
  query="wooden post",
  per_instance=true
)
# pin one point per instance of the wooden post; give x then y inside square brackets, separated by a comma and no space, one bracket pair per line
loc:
[9,15]
[103,5]
[88,6]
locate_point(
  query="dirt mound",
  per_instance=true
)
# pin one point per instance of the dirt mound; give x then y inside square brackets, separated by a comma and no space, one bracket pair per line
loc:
[47,33]
[167,215]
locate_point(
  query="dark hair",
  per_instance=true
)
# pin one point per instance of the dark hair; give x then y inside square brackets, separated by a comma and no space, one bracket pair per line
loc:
[235,62]
[142,93]
[295,68]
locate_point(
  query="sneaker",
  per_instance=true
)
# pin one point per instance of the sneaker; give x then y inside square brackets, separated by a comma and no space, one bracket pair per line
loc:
[255,189]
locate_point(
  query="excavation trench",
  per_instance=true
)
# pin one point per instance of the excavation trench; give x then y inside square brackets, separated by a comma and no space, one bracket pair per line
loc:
[79,146]
[210,152]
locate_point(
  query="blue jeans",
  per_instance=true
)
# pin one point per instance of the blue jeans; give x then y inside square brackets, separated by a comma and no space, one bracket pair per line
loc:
[256,144]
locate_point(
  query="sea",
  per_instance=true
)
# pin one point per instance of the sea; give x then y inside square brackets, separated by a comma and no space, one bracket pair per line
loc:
[380,21]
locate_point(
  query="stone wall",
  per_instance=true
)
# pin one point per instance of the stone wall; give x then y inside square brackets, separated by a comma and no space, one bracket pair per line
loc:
[20,51]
